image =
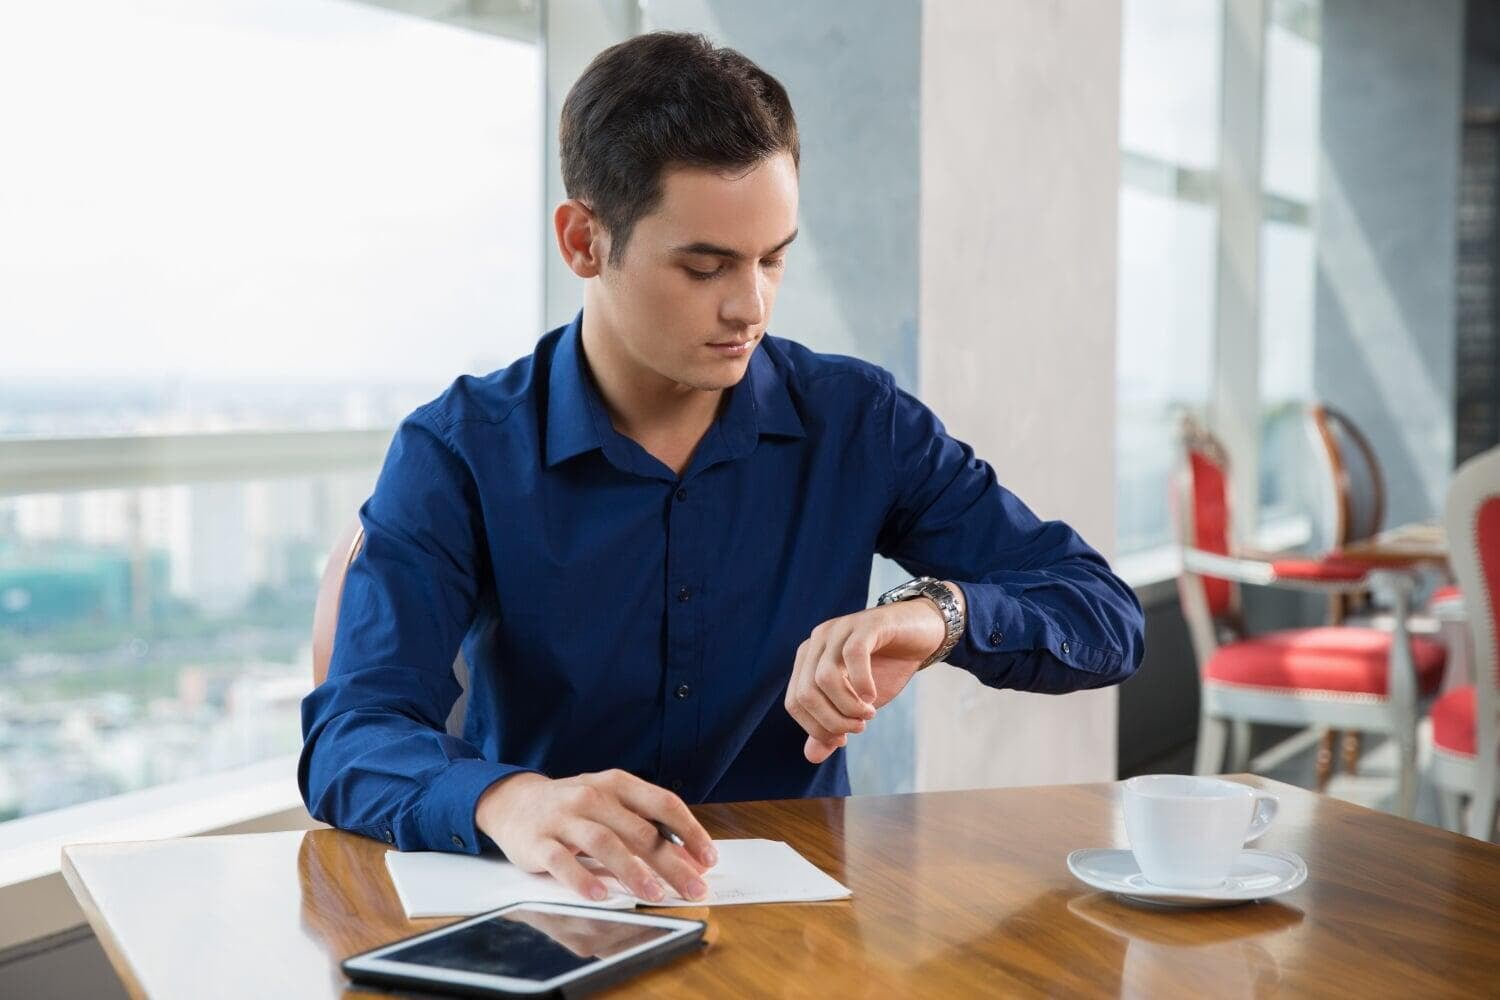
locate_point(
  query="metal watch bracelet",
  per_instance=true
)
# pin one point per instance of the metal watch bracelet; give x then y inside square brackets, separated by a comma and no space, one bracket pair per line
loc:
[947,603]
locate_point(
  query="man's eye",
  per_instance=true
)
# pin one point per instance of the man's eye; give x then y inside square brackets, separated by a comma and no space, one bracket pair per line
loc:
[704,275]
[774,262]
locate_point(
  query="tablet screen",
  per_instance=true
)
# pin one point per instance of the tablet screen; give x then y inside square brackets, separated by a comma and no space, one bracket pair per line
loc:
[527,944]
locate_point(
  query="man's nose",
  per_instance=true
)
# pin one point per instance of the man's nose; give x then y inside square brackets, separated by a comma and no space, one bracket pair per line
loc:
[747,305]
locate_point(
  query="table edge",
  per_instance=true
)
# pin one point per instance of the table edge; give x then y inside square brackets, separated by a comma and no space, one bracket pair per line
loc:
[102,931]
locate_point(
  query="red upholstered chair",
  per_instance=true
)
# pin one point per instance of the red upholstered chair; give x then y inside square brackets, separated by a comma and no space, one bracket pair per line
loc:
[1341,677]
[1355,496]
[1447,602]
[1465,732]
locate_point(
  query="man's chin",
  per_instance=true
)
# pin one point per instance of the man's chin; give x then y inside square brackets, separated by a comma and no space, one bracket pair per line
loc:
[728,380]
[717,377]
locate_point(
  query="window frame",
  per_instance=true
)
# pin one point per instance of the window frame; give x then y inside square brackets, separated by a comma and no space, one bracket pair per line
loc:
[1235,404]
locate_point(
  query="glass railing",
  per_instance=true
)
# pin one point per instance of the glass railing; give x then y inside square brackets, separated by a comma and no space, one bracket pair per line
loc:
[159,629]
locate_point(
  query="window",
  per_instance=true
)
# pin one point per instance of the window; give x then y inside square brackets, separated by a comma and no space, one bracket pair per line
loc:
[1289,177]
[1169,133]
[274,230]
[1170,121]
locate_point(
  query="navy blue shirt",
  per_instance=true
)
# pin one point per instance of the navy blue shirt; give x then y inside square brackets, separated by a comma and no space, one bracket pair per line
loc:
[616,615]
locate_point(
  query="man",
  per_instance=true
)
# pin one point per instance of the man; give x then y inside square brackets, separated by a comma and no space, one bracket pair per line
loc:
[652,538]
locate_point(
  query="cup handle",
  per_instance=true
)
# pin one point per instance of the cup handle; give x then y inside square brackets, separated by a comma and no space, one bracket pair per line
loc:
[1266,805]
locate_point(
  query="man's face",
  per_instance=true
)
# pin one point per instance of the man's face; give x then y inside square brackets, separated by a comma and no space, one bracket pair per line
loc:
[691,297]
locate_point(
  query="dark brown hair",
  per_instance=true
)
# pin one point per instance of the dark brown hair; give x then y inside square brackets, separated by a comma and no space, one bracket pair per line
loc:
[660,100]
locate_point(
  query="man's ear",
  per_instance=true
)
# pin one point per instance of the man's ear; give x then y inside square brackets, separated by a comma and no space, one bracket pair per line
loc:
[581,240]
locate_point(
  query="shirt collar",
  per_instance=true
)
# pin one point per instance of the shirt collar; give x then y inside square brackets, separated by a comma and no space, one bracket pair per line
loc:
[577,421]
[774,411]
[571,429]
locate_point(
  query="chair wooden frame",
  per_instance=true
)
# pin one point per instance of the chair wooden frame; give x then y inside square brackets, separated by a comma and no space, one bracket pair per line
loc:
[1476,483]
[1323,418]
[330,594]
[326,620]
[1445,618]
[1226,705]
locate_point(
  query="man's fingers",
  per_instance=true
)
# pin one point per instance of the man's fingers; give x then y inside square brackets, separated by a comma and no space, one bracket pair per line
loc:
[833,681]
[807,703]
[560,862]
[815,700]
[861,676]
[678,868]
[672,863]
[605,846]
[816,751]
[802,692]
[807,657]
[820,732]
[655,803]
[820,719]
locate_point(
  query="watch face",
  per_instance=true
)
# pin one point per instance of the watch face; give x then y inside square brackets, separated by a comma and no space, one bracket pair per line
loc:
[922,586]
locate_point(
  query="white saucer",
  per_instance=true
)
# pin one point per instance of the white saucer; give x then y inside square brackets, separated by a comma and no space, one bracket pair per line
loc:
[1255,875]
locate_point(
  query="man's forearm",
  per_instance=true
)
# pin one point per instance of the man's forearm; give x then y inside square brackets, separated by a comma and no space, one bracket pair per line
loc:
[379,771]
[1069,627]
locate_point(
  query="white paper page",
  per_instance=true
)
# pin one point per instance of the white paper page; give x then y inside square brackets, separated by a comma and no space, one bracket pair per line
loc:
[436,884]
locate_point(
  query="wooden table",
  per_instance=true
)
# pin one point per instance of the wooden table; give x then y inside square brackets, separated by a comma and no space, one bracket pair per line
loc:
[955,894]
[1409,546]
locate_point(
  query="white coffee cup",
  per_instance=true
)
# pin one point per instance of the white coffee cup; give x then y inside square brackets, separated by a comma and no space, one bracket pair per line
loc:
[1185,831]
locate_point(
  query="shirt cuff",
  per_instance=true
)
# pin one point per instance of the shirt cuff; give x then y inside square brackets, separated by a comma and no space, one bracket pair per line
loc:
[999,625]
[447,822]
[995,625]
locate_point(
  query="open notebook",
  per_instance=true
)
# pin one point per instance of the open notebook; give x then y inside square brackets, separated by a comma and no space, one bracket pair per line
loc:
[434,884]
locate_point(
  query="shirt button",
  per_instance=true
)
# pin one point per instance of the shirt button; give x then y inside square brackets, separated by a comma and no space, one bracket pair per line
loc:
[1065,647]
[684,691]
[458,841]
[681,496]
[684,594]
[996,637]
[390,838]
[676,784]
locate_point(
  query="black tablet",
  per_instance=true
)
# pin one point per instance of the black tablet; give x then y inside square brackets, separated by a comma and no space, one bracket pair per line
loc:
[529,950]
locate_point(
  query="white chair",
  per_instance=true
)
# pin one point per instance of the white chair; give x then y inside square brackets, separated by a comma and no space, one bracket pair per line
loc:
[1465,730]
[1339,677]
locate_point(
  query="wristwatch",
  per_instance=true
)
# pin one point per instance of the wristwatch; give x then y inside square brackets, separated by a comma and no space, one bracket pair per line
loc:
[940,594]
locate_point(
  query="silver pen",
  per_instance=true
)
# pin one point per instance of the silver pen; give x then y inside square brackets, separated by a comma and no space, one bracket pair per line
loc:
[666,833]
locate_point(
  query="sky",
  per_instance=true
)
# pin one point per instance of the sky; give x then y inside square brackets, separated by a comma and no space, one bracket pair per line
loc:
[276,189]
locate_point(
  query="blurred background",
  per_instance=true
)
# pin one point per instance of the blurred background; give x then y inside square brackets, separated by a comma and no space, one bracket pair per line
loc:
[241,239]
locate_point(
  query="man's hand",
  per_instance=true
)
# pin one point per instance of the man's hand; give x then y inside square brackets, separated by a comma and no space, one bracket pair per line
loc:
[543,824]
[853,665]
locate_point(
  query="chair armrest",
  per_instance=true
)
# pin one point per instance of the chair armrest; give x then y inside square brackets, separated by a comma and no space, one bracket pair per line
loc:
[1328,576]
[1447,605]
[1328,569]
[1251,571]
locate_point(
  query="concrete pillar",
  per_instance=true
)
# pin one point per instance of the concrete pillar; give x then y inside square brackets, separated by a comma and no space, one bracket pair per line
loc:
[1020,185]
